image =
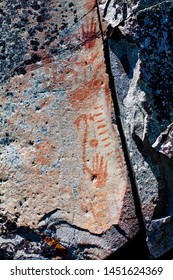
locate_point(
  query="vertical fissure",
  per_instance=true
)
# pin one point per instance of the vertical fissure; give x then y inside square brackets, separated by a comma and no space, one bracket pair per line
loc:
[120,126]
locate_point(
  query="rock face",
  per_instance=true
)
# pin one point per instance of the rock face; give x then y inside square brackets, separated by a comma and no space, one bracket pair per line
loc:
[65,191]
[140,47]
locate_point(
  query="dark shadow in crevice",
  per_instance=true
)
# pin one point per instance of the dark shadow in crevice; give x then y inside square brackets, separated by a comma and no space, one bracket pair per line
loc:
[48,215]
[162,168]
[123,139]
[125,49]
[134,249]
[158,106]
[121,231]
[167,256]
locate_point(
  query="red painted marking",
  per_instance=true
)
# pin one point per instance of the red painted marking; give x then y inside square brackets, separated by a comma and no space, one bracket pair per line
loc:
[89,34]
[99,169]
[97,107]
[93,142]
[103,132]
[99,121]
[107,145]
[101,126]
[99,114]
[105,139]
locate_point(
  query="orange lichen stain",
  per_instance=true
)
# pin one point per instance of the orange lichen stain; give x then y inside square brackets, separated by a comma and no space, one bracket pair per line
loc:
[60,251]
[99,170]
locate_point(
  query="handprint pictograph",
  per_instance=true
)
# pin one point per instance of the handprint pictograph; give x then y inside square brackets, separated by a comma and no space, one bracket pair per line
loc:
[86,36]
[98,170]
[89,34]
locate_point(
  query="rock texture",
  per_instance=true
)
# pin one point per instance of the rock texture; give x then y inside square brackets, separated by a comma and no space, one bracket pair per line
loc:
[140,44]
[65,191]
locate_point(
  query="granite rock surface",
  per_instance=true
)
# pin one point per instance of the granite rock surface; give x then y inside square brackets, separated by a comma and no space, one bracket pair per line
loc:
[64,185]
[140,45]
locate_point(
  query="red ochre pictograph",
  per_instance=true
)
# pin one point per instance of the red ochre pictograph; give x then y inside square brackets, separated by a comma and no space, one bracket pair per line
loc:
[98,169]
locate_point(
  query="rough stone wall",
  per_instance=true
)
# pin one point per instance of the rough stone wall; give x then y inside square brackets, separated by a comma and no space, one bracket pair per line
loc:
[140,45]
[64,180]
[86,127]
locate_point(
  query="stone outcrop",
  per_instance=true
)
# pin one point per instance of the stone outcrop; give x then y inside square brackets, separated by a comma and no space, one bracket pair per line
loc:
[140,45]
[86,128]
[65,190]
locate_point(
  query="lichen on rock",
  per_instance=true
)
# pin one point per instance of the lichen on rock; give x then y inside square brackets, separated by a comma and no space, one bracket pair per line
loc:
[63,175]
[140,50]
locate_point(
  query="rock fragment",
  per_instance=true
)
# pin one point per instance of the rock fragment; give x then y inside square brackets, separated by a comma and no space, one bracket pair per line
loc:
[141,59]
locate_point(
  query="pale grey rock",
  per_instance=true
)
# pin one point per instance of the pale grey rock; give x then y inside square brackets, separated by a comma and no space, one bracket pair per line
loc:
[141,61]
[115,11]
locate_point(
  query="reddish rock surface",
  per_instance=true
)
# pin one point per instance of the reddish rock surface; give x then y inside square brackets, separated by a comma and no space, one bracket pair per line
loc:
[61,156]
